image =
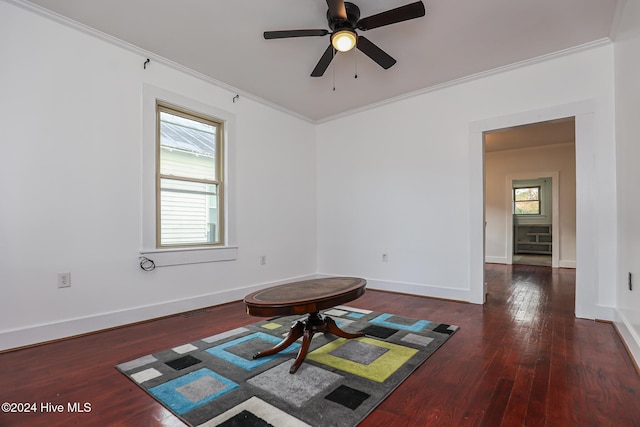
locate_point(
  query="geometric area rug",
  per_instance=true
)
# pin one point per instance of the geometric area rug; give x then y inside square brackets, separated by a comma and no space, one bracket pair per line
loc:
[215,381]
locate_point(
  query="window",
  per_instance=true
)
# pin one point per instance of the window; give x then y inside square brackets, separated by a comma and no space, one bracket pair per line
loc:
[188,197]
[526,201]
[189,179]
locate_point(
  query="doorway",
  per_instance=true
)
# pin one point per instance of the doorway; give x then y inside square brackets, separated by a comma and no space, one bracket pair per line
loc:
[536,163]
[586,249]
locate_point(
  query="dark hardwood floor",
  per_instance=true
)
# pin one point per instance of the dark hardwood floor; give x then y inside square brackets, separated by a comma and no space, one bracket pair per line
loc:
[521,359]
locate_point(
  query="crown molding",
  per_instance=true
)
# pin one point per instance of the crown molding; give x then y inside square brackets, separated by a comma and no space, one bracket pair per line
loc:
[145,54]
[543,58]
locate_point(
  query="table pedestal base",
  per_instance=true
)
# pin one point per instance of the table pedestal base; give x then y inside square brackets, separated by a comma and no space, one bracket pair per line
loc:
[305,329]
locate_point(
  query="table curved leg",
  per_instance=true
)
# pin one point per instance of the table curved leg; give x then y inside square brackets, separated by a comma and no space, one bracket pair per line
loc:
[331,327]
[296,331]
[302,354]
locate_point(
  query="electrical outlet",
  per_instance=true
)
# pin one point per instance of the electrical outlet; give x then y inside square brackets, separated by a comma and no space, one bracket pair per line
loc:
[263,259]
[630,283]
[64,280]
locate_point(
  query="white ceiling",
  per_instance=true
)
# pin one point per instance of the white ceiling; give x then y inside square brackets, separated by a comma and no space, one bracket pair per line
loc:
[456,38]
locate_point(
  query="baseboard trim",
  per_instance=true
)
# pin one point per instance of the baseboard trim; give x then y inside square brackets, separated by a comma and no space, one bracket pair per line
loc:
[416,289]
[503,260]
[629,337]
[46,333]
[605,313]
[566,264]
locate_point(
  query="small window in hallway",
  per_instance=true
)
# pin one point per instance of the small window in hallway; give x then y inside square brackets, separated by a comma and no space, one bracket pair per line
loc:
[526,201]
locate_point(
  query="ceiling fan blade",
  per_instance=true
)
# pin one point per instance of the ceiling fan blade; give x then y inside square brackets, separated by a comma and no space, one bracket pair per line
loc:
[375,53]
[337,9]
[294,33]
[324,62]
[399,14]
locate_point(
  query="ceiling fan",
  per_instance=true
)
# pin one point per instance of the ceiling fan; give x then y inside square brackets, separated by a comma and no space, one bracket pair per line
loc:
[344,18]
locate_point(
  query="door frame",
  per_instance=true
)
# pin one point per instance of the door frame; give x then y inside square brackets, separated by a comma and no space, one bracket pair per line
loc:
[555,213]
[586,216]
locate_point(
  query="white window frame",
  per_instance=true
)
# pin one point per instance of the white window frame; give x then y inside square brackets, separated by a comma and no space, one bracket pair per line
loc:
[183,255]
[513,196]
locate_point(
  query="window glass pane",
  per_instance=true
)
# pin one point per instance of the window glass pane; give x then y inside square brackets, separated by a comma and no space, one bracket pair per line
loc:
[527,208]
[187,147]
[188,213]
[524,194]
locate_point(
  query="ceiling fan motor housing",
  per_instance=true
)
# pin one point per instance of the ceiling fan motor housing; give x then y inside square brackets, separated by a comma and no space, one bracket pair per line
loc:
[353,16]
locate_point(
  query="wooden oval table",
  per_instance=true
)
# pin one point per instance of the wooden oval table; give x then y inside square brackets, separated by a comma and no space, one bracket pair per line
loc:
[305,297]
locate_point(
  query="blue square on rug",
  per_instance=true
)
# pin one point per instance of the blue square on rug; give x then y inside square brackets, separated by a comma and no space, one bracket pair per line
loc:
[186,393]
[232,351]
[397,322]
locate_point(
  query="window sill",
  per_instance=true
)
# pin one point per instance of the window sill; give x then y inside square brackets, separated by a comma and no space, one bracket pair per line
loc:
[182,256]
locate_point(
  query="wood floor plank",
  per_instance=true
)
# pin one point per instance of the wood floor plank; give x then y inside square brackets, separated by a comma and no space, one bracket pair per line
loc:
[521,359]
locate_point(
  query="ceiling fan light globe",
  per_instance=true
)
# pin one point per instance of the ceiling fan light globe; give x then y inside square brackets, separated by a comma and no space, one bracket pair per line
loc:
[343,41]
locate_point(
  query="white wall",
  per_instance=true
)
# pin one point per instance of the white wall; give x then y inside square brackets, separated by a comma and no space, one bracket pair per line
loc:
[627,64]
[71,187]
[501,167]
[397,179]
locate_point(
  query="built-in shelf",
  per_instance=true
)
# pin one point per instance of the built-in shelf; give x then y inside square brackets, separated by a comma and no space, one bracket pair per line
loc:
[532,239]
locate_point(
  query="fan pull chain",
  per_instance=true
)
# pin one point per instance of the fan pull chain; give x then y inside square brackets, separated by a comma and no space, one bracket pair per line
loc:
[355,54]
[334,79]
[333,68]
